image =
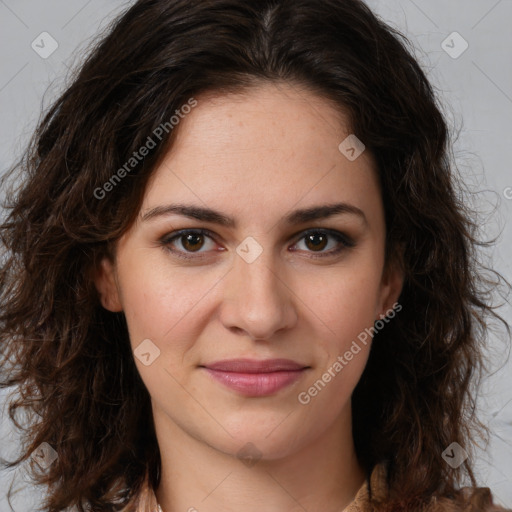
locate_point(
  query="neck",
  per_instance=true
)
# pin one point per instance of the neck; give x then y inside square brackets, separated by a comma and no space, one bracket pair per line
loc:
[321,475]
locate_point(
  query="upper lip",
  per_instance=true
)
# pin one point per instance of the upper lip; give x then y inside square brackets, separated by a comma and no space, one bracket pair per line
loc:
[255,366]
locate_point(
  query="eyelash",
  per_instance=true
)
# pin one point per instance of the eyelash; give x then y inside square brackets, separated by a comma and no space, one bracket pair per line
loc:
[344,241]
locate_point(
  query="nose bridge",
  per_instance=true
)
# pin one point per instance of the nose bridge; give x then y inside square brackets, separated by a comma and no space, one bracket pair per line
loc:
[255,261]
[257,302]
[259,277]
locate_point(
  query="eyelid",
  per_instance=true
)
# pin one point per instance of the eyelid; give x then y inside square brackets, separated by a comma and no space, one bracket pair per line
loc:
[331,232]
[344,241]
[168,238]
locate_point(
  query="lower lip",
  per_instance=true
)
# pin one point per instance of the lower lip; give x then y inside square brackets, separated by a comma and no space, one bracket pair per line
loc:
[256,384]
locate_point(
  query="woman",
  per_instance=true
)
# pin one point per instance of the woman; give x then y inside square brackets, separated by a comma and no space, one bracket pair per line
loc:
[238,274]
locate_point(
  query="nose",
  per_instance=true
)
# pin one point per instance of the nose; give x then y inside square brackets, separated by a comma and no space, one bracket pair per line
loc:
[257,301]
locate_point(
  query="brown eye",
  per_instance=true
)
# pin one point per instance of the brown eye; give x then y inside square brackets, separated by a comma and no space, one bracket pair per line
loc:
[316,241]
[189,243]
[192,242]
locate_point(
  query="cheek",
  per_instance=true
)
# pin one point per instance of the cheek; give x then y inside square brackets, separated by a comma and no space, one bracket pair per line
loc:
[347,308]
[162,303]
[343,301]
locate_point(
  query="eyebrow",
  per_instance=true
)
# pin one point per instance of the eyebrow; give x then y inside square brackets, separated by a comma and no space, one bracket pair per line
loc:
[296,217]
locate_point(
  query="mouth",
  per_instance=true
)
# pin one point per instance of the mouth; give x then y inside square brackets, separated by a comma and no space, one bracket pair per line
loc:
[255,378]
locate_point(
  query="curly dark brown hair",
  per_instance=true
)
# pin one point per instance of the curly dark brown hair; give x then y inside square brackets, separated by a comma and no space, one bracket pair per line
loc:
[70,359]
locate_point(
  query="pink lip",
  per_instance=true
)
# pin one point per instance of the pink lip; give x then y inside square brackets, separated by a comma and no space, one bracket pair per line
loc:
[256,378]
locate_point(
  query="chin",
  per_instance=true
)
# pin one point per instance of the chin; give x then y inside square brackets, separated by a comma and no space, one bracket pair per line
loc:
[265,440]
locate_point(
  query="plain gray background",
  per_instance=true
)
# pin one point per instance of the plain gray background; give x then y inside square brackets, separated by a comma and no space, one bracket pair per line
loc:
[475,87]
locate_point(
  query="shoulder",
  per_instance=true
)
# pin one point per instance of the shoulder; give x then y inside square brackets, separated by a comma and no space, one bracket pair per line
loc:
[467,499]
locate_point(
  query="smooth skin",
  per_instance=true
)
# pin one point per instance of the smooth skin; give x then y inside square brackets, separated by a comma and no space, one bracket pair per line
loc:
[255,157]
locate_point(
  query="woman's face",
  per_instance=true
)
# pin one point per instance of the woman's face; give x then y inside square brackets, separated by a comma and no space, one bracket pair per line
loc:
[275,273]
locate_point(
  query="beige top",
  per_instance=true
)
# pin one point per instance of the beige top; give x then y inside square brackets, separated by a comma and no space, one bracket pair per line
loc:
[469,500]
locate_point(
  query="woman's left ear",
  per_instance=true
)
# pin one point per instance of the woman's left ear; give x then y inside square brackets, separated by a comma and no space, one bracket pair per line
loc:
[106,284]
[391,287]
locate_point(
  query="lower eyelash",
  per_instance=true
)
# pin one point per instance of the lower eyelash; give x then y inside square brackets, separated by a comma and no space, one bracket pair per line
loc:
[166,241]
[344,241]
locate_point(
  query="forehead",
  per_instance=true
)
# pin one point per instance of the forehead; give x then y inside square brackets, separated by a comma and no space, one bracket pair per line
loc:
[266,147]
[274,116]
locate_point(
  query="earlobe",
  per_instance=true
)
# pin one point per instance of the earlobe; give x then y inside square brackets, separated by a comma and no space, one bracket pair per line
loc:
[106,284]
